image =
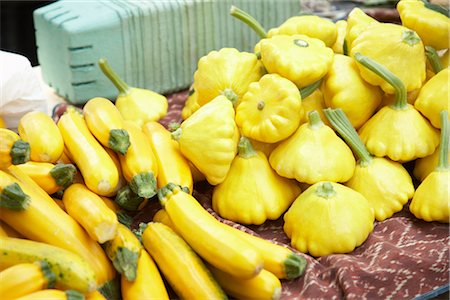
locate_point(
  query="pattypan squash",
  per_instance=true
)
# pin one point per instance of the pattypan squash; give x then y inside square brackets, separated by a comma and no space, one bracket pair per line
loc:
[397,48]
[389,99]
[432,27]
[310,25]
[191,104]
[425,165]
[299,58]
[226,72]
[431,201]
[270,110]
[209,138]
[398,131]
[343,87]
[252,192]
[328,218]
[265,148]
[434,97]
[338,46]
[357,22]
[316,102]
[313,153]
[386,184]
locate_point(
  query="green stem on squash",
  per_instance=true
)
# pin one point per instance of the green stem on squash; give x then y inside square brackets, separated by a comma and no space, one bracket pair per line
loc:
[401,101]
[119,140]
[63,174]
[13,197]
[443,148]
[118,82]
[144,184]
[249,20]
[315,121]
[433,58]
[325,190]
[74,295]
[342,125]
[48,273]
[308,90]
[245,148]
[20,152]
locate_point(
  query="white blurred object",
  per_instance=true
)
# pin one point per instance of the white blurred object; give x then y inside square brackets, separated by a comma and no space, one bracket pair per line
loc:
[20,89]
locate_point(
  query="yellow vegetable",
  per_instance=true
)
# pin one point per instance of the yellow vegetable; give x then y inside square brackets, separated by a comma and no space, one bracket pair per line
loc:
[71,271]
[89,210]
[148,283]
[122,216]
[424,166]
[129,200]
[270,110]
[253,192]
[172,165]
[432,27]
[98,169]
[106,124]
[95,295]
[344,88]
[431,200]
[346,219]
[181,266]
[40,131]
[212,240]
[299,58]
[25,278]
[50,177]
[397,131]
[313,153]
[139,166]
[7,230]
[53,295]
[386,184]
[2,122]
[226,72]
[13,150]
[314,101]
[209,138]
[124,250]
[46,216]
[135,104]
[357,22]
[338,46]
[191,104]
[434,97]
[402,54]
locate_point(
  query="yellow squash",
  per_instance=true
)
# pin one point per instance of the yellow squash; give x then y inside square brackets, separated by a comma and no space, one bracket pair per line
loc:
[357,22]
[212,240]
[226,72]
[397,131]
[40,131]
[95,295]
[253,192]
[338,46]
[313,153]
[2,122]
[148,283]
[172,165]
[135,104]
[209,138]
[89,210]
[7,230]
[122,216]
[191,104]
[13,150]
[345,219]
[26,278]
[314,101]
[425,165]
[106,123]
[139,166]
[53,294]
[181,266]
[270,110]
[98,169]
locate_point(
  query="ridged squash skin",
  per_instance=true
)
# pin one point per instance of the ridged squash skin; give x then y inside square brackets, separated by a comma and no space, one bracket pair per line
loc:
[357,22]
[181,266]
[41,132]
[98,169]
[338,46]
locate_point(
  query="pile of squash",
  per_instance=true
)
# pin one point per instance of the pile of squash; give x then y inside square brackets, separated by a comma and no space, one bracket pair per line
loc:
[314,127]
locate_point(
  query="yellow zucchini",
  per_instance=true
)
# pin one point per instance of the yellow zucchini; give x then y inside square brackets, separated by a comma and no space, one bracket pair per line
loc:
[181,266]
[172,165]
[45,222]
[26,278]
[106,124]
[98,169]
[50,177]
[40,131]
[122,182]
[264,286]
[123,250]
[53,294]
[148,283]
[95,295]
[122,216]
[214,241]
[13,150]
[139,165]
[89,210]
[72,272]
[6,230]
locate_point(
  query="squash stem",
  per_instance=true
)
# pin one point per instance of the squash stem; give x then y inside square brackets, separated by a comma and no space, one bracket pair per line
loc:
[20,152]
[118,82]
[342,125]
[433,58]
[128,200]
[443,148]
[308,90]
[63,174]
[73,295]
[325,190]
[249,20]
[401,101]
[176,135]
[315,121]
[119,140]
[245,148]
[49,275]
[294,266]
[144,184]
[12,197]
